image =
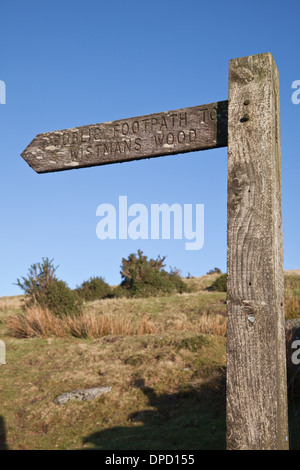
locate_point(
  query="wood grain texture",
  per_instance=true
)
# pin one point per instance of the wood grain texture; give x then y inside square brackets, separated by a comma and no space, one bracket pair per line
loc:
[183,130]
[256,367]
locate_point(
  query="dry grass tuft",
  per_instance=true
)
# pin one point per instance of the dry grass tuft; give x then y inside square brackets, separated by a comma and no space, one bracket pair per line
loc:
[206,323]
[212,324]
[39,322]
[95,326]
[35,322]
[292,296]
[9,303]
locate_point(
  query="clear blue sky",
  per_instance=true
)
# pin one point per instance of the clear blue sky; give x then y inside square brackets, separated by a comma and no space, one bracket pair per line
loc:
[71,63]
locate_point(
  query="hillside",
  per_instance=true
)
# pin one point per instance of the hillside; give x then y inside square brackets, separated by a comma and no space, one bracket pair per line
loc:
[168,389]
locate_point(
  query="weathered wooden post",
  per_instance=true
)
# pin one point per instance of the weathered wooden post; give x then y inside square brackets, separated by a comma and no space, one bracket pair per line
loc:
[256,367]
[256,376]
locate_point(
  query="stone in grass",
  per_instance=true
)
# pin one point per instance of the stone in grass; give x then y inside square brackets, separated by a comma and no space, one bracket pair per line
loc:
[81,395]
[2,352]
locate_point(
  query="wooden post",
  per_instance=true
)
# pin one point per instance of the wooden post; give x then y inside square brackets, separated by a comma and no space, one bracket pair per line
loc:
[256,367]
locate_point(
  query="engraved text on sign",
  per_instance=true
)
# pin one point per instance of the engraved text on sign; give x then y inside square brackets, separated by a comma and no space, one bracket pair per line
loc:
[184,130]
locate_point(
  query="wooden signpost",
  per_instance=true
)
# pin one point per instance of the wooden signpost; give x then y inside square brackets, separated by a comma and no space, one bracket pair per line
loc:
[183,130]
[249,123]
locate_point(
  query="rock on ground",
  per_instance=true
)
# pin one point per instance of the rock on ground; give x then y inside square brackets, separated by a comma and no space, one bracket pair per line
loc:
[81,395]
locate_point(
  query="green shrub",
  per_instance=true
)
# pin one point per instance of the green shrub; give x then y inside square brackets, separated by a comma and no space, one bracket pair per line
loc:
[220,284]
[142,277]
[151,284]
[62,300]
[120,291]
[177,282]
[214,271]
[39,277]
[42,287]
[94,289]
[136,267]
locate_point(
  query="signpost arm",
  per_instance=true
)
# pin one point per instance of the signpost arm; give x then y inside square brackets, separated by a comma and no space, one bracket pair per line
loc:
[183,130]
[256,364]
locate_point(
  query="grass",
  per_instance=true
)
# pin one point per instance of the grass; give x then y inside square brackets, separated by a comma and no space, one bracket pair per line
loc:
[115,318]
[292,294]
[167,378]
[39,322]
[160,387]
[165,370]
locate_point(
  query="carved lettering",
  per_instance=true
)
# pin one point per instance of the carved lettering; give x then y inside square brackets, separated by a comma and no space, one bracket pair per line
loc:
[118,148]
[183,130]
[84,138]
[127,145]
[153,123]
[125,128]
[116,129]
[135,127]
[170,138]
[89,151]
[137,144]
[97,133]
[183,119]
[74,138]
[204,114]
[66,138]
[74,153]
[180,137]
[106,148]
[159,140]
[163,123]
[213,114]
[146,121]
[173,119]
[192,135]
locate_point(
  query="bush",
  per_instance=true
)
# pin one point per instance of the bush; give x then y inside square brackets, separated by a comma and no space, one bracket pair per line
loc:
[142,277]
[39,277]
[94,289]
[220,284]
[177,282]
[61,300]
[120,291]
[45,289]
[136,267]
[214,271]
